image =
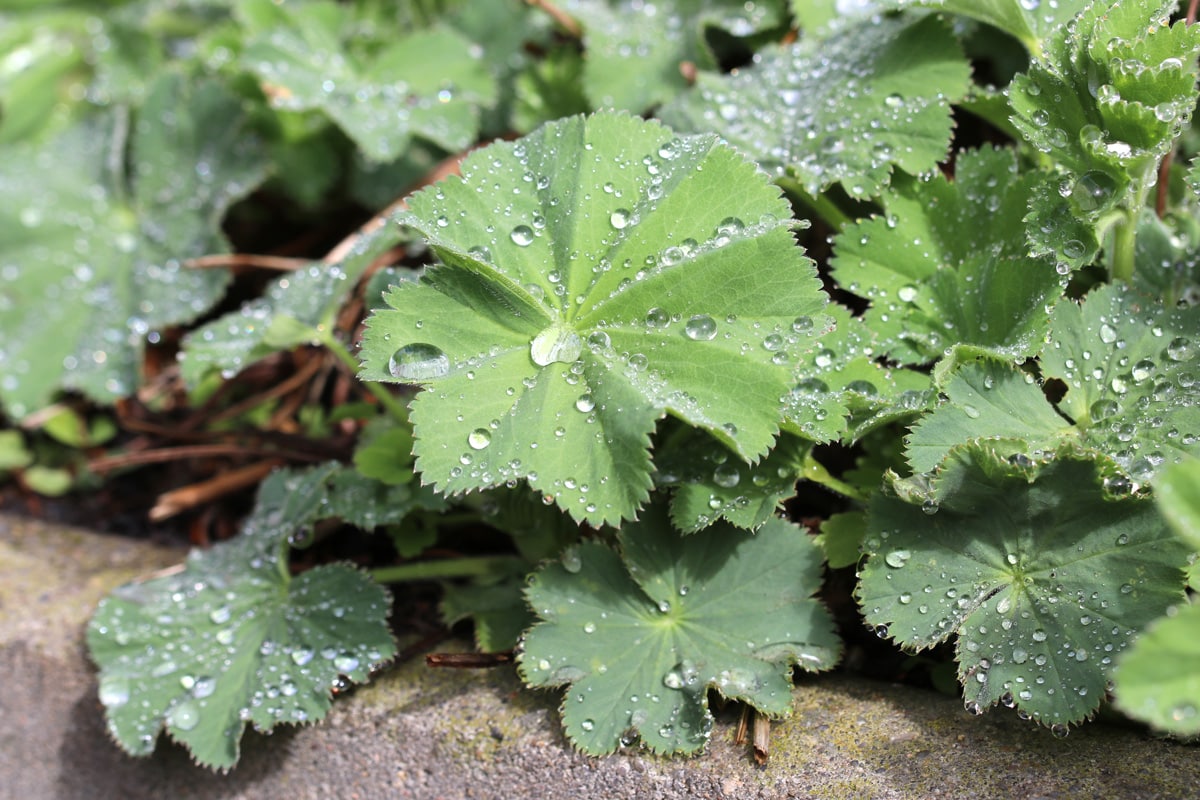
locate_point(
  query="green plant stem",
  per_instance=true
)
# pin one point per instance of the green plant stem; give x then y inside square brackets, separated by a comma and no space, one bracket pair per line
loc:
[480,566]
[821,204]
[386,399]
[1124,241]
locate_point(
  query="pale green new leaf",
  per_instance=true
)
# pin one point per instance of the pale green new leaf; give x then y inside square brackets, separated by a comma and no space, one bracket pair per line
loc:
[431,83]
[1158,679]
[496,607]
[947,263]
[296,309]
[593,279]
[92,245]
[634,57]
[1178,493]
[233,638]
[1041,576]
[640,637]
[1106,99]
[845,109]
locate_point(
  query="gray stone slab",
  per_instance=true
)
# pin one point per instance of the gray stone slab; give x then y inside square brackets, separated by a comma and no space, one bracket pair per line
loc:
[443,735]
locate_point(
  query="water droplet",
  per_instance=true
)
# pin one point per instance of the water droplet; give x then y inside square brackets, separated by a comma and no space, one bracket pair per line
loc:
[114,691]
[585,404]
[419,362]
[1180,349]
[700,328]
[589,627]
[1092,191]
[301,656]
[556,344]
[571,560]
[522,235]
[907,294]
[184,715]
[727,475]
[479,438]
[619,218]
[897,558]
[657,318]
[587,725]
[1059,730]
[345,662]
[971,411]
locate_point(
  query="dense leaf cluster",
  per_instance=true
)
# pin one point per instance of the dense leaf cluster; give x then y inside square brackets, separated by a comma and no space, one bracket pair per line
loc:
[938,257]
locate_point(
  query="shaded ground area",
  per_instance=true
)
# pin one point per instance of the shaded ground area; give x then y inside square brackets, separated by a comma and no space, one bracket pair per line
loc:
[421,733]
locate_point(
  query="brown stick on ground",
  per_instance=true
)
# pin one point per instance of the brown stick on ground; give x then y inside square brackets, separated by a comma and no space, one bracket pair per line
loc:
[178,500]
[281,263]
[467,660]
[762,738]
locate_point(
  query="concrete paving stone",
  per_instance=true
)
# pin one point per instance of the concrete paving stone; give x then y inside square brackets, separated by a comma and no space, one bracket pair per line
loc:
[450,734]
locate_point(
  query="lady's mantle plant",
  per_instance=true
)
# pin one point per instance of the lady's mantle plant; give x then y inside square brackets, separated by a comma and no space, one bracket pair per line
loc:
[626,360]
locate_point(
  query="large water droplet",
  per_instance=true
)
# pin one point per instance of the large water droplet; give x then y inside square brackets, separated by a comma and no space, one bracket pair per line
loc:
[419,362]
[557,343]
[479,438]
[1092,191]
[700,328]
[522,235]
[114,691]
[897,558]
[619,218]
[184,716]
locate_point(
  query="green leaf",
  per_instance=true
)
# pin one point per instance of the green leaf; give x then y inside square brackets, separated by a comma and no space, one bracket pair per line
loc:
[712,483]
[1106,99]
[298,308]
[549,89]
[634,57]
[930,285]
[1178,493]
[90,259]
[1029,22]
[600,282]
[1043,579]
[497,608]
[1158,679]
[845,109]
[13,452]
[384,451]
[843,392]
[429,84]
[641,636]
[841,538]
[234,639]
[989,400]
[1129,365]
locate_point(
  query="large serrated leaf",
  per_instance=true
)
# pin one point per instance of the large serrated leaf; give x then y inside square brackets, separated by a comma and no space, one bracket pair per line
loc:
[1042,578]
[642,636]
[429,84]
[930,284]
[593,279]
[233,639]
[845,109]
[635,52]
[91,248]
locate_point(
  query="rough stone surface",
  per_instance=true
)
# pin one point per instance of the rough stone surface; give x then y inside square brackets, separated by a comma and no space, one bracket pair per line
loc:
[421,733]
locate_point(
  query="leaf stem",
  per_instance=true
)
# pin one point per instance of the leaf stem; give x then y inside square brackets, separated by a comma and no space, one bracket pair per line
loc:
[1123,247]
[825,208]
[386,399]
[480,566]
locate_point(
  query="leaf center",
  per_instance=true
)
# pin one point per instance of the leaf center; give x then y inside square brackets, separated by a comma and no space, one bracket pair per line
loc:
[557,343]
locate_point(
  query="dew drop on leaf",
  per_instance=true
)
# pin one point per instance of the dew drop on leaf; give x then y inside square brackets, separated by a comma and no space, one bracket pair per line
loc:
[479,438]
[1092,190]
[184,716]
[522,235]
[700,328]
[619,218]
[585,404]
[418,362]
[556,344]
